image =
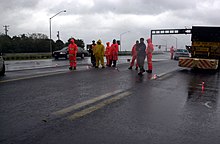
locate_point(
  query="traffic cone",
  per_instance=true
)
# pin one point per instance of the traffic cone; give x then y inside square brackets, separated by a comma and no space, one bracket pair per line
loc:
[154,76]
[203,86]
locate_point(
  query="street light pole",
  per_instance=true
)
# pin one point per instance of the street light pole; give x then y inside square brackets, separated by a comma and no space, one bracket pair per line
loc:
[50,29]
[176,40]
[120,38]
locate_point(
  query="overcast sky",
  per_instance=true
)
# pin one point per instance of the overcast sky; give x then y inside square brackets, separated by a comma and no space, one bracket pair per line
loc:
[107,19]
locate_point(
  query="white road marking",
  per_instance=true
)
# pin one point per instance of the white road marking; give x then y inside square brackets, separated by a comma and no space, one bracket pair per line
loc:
[207,104]
[85,103]
[98,106]
[168,72]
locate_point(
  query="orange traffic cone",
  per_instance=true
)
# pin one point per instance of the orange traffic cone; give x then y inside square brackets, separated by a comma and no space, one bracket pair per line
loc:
[203,86]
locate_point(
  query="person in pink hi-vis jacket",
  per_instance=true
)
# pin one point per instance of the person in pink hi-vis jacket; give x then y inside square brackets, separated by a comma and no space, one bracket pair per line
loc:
[134,56]
[113,53]
[149,51]
[171,52]
[107,53]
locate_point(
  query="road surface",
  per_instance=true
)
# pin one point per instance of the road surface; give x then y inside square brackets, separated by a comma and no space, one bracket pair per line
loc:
[53,105]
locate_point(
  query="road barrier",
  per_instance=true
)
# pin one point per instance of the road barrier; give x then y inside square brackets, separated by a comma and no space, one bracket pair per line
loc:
[33,56]
[26,56]
[123,53]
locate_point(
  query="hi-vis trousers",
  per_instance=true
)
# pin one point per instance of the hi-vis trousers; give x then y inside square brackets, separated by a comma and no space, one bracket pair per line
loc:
[72,59]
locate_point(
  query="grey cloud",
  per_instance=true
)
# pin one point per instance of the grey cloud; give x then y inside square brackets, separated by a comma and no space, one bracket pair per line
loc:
[12,11]
[138,7]
[170,14]
[18,4]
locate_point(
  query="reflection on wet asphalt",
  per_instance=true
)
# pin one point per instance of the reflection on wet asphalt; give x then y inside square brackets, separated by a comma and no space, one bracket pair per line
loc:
[204,87]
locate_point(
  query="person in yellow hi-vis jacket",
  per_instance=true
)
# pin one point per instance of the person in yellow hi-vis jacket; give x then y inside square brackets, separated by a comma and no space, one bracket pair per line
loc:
[99,52]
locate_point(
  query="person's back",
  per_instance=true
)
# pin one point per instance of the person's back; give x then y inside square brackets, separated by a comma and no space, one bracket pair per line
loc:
[141,55]
[91,50]
[141,49]
[114,50]
[114,53]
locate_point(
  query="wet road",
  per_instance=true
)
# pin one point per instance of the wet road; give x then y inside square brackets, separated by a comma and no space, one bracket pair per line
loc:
[111,106]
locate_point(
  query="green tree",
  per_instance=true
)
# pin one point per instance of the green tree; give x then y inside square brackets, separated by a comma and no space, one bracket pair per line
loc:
[78,42]
[59,45]
[5,44]
[30,43]
[38,36]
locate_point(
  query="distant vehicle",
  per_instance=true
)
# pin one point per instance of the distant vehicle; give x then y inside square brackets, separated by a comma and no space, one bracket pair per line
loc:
[180,53]
[2,65]
[63,53]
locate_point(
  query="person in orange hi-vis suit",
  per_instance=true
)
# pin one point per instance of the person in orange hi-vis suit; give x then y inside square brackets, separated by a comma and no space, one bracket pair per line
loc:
[107,53]
[171,52]
[149,51]
[114,53]
[134,56]
[72,48]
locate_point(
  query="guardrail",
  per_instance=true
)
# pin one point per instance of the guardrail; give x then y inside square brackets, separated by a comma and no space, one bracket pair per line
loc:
[26,56]
[121,53]
[33,56]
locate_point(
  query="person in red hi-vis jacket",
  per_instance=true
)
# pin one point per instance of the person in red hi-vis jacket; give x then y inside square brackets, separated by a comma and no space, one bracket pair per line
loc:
[149,51]
[134,56]
[107,53]
[72,48]
[171,52]
[114,53]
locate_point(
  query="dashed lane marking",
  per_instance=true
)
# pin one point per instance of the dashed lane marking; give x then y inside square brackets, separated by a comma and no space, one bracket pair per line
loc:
[98,106]
[85,103]
[165,73]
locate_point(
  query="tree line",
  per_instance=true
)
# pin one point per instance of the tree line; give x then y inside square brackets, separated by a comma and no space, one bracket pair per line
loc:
[32,43]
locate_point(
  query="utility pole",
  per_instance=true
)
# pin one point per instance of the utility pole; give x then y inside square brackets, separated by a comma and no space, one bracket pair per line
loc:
[6,29]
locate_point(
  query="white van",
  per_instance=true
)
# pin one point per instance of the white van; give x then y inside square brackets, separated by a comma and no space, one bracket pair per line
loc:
[2,65]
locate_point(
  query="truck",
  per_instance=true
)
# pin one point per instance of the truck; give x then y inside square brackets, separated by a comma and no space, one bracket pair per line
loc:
[204,49]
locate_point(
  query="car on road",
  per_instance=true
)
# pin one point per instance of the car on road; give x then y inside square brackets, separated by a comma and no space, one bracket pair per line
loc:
[2,65]
[180,53]
[63,53]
